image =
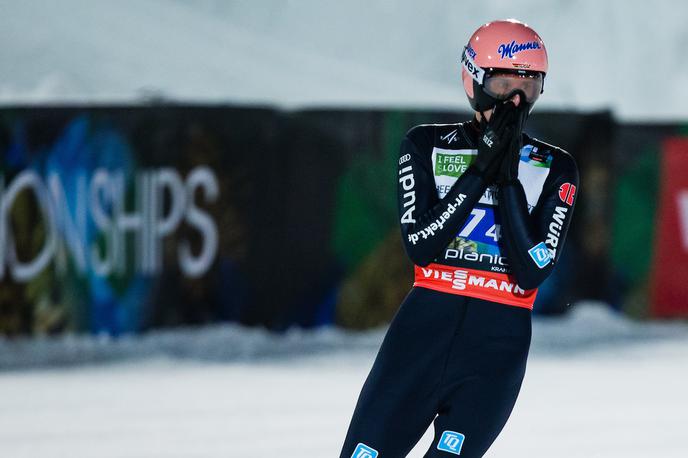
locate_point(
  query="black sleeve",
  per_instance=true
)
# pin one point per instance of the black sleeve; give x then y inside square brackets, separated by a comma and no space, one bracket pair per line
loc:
[533,242]
[428,223]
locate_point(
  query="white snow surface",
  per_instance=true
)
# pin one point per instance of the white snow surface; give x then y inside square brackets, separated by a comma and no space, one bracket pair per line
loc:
[598,385]
[619,55]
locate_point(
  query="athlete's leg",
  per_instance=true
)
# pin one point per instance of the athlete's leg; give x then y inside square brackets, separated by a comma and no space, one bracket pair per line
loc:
[483,379]
[400,396]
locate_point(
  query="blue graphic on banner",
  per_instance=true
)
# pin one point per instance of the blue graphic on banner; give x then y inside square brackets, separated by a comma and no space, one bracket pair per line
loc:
[114,303]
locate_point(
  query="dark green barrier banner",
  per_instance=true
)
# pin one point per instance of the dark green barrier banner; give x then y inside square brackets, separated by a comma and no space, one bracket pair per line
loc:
[119,219]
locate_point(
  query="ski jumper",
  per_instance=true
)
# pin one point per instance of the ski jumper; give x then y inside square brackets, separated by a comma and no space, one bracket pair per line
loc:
[456,350]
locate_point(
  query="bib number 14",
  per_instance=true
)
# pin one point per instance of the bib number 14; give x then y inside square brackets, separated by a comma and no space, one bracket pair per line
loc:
[474,229]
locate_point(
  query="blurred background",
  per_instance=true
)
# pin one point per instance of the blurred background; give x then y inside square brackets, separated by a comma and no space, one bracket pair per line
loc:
[199,247]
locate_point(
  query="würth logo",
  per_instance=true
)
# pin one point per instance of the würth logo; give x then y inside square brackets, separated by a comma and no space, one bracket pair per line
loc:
[567,192]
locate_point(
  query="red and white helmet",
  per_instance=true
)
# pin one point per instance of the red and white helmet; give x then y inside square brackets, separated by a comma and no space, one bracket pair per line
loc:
[501,58]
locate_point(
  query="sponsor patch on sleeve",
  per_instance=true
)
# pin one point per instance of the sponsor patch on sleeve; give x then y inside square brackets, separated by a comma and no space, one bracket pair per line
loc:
[540,255]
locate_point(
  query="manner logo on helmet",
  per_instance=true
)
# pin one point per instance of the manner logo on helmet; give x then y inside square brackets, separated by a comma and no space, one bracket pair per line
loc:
[363,451]
[451,442]
[567,192]
[509,49]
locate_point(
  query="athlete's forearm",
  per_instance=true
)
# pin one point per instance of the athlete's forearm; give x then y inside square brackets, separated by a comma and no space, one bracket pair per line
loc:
[428,224]
[533,242]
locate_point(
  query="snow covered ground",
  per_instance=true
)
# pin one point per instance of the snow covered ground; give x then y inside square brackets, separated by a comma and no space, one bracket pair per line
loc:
[598,385]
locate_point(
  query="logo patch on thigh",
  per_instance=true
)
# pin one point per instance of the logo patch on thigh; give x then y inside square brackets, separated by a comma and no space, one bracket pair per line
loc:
[363,451]
[451,442]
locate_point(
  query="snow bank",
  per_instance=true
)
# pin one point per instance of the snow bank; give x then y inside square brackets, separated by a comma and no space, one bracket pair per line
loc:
[589,326]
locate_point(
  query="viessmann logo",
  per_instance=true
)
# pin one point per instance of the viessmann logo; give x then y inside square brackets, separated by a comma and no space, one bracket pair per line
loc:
[462,280]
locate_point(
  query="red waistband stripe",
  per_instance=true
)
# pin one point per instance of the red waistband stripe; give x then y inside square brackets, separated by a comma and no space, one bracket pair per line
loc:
[489,286]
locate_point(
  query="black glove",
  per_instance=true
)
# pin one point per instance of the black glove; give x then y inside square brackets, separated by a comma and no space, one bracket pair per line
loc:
[495,137]
[508,169]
